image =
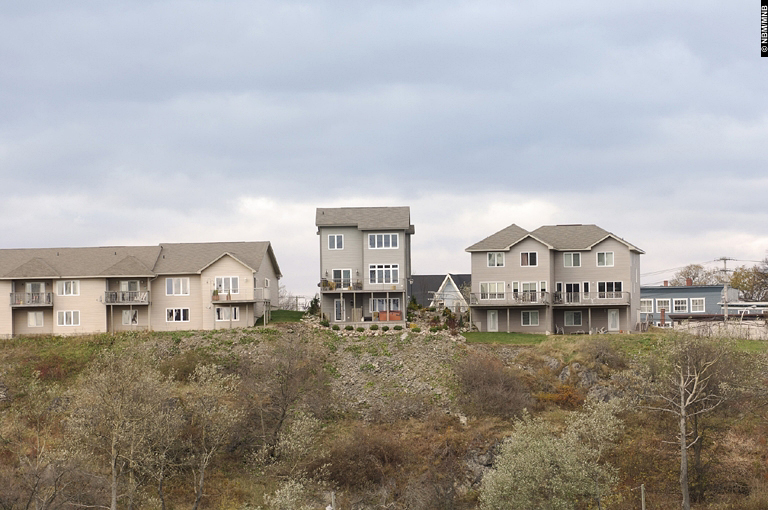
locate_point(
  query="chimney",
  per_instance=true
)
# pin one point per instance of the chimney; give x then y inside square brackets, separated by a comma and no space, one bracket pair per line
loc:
[663,317]
[666,283]
[689,282]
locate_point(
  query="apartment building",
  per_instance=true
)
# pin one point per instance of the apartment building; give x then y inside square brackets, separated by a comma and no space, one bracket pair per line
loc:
[67,291]
[557,278]
[365,263]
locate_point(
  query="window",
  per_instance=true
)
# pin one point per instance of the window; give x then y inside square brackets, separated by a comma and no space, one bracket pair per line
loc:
[529,318]
[68,318]
[697,304]
[177,286]
[529,258]
[228,284]
[177,315]
[130,317]
[492,290]
[608,290]
[680,305]
[68,288]
[266,283]
[543,286]
[382,241]
[529,291]
[226,313]
[336,242]
[646,306]
[662,304]
[129,286]
[35,319]
[384,273]
[379,304]
[342,277]
[496,259]
[572,259]
[605,259]
[573,318]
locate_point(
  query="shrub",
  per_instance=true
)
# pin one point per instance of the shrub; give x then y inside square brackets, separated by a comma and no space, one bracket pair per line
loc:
[360,329]
[368,456]
[335,327]
[398,328]
[349,328]
[432,309]
[384,328]
[325,323]
[488,387]
[565,396]
[434,329]
[416,329]
[374,327]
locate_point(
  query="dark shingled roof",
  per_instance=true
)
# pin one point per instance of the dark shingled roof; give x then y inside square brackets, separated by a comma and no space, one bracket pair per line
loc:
[501,240]
[365,218]
[424,286]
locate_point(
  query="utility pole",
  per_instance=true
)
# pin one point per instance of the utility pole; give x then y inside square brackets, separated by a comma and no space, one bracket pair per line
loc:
[725,287]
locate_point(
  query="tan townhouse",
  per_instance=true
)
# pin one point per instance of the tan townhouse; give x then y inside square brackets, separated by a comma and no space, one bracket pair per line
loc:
[66,291]
[365,263]
[557,278]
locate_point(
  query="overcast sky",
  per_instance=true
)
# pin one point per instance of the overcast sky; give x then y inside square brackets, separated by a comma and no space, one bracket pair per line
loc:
[148,121]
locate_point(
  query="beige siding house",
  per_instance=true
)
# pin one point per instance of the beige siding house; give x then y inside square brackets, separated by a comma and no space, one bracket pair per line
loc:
[66,291]
[365,263]
[558,278]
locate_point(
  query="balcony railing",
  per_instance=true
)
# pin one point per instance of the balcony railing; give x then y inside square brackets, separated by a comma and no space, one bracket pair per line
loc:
[526,298]
[339,284]
[590,298]
[31,298]
[126,297]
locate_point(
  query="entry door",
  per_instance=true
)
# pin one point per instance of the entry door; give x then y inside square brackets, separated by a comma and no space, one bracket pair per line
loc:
[572,293]
[342,277]
[493,321]
[338,306]
[613,320]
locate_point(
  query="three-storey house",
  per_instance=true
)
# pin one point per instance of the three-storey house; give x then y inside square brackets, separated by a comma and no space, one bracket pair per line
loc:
[365,263]
[557,278]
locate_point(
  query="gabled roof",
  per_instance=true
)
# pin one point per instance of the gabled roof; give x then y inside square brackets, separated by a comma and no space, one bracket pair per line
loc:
[188,258]
[365,218]
[136,261]
[424,286]
[556,237]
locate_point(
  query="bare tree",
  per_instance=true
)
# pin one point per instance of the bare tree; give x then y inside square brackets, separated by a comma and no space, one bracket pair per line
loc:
[698,274]
[691,383]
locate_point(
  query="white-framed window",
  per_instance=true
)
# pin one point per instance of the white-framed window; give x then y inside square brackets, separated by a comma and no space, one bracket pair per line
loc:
[572,259]
[225,313]
[680,305]
[336,242]
[177,286]
[35,319]
[662,304]
[698,304]
[667,324]
[68,287]
[543,286]
[529,317]
[384,273]
[266,283]
[529,258]
[228,284]
[383,241]
[68,317]
[379,304]
[646,306]
[495,259]
[573,318]
[609,290]
[492,290]
[130,317]
[177,315]
[129,286]
[605,259]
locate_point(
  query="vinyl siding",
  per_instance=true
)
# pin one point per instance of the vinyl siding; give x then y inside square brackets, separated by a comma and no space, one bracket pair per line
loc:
[267,270]
[226,266]
[20,326]
[90,304]
[117,315]
[6,318]
[350,257]
[194,301]
[512,271]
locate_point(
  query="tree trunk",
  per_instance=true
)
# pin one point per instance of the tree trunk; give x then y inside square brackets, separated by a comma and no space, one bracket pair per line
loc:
[113,504]
[683,451]
[697,487]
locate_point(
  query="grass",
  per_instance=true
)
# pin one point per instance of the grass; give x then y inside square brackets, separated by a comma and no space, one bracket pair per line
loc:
[475,337]
[282,316]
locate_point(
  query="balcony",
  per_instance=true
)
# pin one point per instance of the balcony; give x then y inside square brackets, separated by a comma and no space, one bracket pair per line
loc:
[352,284]
[31,299]
[126,297]
[590,298]
[509,298]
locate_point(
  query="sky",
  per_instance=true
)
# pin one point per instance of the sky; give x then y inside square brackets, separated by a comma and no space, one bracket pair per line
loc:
[148,121]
